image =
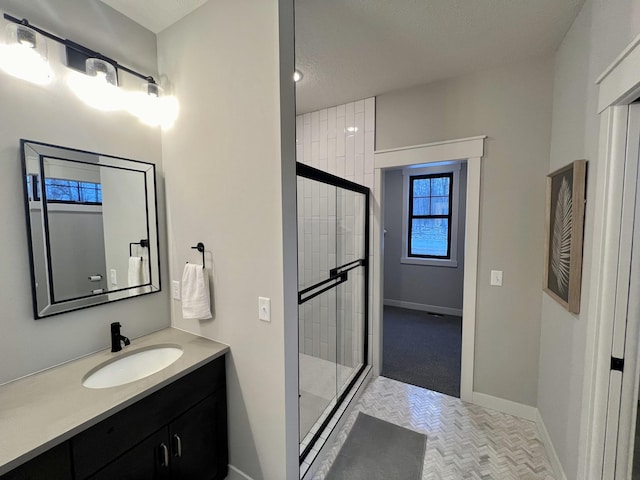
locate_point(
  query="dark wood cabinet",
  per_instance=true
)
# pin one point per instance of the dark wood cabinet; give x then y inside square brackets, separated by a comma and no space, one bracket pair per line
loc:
[178,432]
[195,437]
[144,461]
[190,447]
[54,463]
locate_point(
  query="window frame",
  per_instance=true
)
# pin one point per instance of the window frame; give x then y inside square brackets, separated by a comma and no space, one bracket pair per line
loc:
[453,169]
[79,185]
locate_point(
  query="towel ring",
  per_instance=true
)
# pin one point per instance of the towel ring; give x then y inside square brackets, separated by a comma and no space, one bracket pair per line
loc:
[144,243]
[200,248]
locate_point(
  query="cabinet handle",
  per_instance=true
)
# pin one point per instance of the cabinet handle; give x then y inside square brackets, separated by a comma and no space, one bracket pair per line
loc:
[165,455]
[178,440]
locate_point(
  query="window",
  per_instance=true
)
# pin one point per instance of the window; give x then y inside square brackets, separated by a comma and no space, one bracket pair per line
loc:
[33,187]
[430,215]
[73,191]
[60,190]
[429,233]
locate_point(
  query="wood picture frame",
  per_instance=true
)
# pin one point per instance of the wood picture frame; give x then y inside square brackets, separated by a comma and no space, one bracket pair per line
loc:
[566,193]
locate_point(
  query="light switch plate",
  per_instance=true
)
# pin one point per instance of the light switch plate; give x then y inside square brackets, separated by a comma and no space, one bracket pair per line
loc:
[496,278]
[264,309]
[114,276]
[175,289]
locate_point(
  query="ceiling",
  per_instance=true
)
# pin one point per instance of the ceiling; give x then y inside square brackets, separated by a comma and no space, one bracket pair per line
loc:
[155,15]
[353,49]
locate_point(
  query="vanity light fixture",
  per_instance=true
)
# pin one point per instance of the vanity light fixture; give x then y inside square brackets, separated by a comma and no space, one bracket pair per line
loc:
[297,76]
[93,76]
[25,54]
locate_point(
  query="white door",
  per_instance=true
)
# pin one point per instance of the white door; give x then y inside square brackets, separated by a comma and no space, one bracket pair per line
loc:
[625,352]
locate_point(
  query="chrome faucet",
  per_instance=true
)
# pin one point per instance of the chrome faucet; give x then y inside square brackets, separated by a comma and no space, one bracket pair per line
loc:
[116,338]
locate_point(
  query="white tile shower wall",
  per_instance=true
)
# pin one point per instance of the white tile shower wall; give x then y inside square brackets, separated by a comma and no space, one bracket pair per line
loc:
[339,140]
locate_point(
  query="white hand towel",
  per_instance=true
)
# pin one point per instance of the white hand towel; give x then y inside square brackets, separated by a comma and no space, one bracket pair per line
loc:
[138,274]
[195,292]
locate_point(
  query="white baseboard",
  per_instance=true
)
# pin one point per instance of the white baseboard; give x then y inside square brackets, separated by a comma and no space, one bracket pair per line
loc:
[237,474]
[505,406]
[424,307]
[548,445]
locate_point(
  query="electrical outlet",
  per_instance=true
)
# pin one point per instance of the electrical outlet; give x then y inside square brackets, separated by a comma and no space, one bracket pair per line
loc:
[496,278]
[264,309]
[175,290]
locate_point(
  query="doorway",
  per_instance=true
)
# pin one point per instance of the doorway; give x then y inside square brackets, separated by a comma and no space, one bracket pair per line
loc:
[622,437]
[424,216]
[618,88]
[470,150]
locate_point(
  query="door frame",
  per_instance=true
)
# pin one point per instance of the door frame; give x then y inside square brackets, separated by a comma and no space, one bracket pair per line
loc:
[619,85]
[469,149]
[622,388]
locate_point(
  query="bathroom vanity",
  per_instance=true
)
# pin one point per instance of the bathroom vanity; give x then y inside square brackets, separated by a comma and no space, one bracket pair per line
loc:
[169,425]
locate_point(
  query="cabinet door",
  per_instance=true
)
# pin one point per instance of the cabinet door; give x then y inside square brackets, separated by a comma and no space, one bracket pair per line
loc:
[149,460]
[198,438]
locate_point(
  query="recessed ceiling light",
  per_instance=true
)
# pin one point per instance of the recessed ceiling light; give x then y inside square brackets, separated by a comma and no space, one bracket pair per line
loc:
[297,76]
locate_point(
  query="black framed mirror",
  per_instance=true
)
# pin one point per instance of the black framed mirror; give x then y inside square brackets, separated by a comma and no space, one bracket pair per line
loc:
[92,226]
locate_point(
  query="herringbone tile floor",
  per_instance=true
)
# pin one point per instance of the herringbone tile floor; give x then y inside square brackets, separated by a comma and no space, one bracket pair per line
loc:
[464,441]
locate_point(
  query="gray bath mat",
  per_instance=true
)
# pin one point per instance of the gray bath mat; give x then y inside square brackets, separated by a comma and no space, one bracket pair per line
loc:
[379,450]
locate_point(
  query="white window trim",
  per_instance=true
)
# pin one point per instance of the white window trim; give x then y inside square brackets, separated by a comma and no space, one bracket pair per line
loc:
[407,173]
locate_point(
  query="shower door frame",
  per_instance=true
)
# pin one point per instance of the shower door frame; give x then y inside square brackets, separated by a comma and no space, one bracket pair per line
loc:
[338,274]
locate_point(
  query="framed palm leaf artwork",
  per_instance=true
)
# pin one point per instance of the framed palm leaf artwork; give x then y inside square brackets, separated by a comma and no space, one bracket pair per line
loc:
[566,189]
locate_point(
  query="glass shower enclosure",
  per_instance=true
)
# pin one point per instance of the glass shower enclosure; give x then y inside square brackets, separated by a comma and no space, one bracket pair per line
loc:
[333,251]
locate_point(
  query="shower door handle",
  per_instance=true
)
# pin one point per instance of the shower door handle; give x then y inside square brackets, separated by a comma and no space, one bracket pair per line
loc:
[321,287]
[347,267]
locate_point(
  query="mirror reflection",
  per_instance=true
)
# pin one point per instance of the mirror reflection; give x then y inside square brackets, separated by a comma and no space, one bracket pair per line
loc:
[92,227]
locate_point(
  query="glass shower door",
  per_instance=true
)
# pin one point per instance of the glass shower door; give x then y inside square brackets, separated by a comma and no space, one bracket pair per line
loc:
[316,301]
[351,296]
[332,295]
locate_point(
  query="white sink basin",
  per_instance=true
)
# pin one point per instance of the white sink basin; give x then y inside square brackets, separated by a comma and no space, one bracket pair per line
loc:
[132,366]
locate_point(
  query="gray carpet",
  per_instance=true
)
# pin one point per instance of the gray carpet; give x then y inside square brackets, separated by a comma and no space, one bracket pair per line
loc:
[379,450]
[422,349]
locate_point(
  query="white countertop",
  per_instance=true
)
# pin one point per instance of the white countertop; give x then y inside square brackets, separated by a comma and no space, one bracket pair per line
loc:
[42,410]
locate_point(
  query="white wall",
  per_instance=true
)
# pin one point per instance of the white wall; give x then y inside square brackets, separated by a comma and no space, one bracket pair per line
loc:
[54,115]
[599,33]
[224,168]
[512,105]
[422,284]
[124,212]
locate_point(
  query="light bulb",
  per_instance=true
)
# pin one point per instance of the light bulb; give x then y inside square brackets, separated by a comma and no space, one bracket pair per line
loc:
[25,36]
[99,87]
[153,108]
[297,76]
[102,70]
[95,91]
[25,55]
